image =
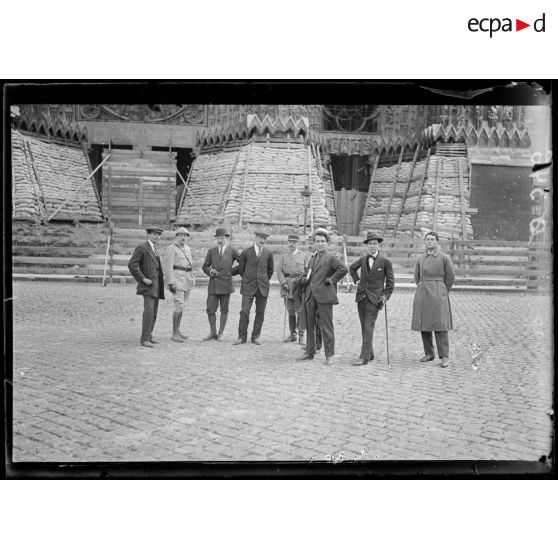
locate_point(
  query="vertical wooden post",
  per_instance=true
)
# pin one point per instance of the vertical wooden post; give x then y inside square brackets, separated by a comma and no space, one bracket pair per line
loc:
[310,190]
[168,202]
[140,208]
[110,195]
[369,193]
[462,201]
[436,195]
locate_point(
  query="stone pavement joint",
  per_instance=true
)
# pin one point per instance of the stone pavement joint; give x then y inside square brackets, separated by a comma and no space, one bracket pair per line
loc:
[84,389]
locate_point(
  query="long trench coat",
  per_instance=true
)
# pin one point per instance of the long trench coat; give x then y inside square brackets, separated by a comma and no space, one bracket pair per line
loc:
[434,277]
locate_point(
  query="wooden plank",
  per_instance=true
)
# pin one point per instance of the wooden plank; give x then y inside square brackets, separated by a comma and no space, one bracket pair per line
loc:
[462,202]
[369,193]
[424,174]
[140,205]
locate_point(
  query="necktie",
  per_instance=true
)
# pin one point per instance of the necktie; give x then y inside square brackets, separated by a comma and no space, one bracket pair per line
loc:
[220,252]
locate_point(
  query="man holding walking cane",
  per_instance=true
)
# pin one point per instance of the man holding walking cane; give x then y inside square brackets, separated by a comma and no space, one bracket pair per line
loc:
[375,285]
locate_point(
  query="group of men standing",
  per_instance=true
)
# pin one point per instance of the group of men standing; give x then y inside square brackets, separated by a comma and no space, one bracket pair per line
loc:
[308,287]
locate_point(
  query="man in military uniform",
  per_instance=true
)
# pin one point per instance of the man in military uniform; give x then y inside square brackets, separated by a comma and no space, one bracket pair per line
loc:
[291,266]
[179,278]
[218,265]
[145,267]
[256,269]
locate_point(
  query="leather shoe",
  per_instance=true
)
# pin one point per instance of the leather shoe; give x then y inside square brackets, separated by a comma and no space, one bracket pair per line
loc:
[219,337]
[177,338]
[256,341]
[210,337]
[146,344]
[360,362]
[427,358]
[151,340]
[445,362]
[239,341]
[329,361]
[182,335]
[305,356]
[290,339]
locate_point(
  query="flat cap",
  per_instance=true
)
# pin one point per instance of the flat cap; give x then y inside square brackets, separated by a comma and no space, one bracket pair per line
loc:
[262,234]
[157,230]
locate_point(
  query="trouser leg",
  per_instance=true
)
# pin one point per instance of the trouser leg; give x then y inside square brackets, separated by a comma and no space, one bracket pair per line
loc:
[318,331]
[442,343]
[224,302]
[211,308]
[428,343]
[148,318]
[244,316]
[261,303]
[368,314]
[310,312]
[326,319]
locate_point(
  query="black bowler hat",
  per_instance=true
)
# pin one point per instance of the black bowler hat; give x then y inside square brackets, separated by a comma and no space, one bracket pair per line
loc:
[157,230]
[222,232]
[293,237]
[372,236]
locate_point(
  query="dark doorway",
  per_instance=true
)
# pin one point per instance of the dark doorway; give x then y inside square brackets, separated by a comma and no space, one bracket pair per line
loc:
[351,179]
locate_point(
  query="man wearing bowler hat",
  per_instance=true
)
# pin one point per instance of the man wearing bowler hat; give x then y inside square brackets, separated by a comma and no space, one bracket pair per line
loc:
[179,278]
[255,268]
[290,267]
[145,266]
[323,272]
[218,265]
[375,285]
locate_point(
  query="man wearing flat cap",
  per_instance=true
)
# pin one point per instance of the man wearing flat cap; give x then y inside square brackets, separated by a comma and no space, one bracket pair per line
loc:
[323,272]
[290,267]
[145,267]
[218,265]
[179,278]
[375,285]
[255,268]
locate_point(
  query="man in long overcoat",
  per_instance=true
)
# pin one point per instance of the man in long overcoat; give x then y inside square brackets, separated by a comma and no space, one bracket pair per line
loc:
[434,277]
[375,285]
[179,278]
[218,264]
[255,268]
[145,266]
[323,272]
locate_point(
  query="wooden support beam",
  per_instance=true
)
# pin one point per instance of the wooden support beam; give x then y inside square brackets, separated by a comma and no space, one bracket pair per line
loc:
[223,202]
[426,162]
[310,190]
[437,194]
[369,193]
[193,194]
[243,197]
[392,192]
[406,190]
[140,205]
[462,201]
[168,202]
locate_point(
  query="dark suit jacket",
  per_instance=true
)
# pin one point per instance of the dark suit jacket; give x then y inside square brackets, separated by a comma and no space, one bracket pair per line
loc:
[255,272]
[144,263]
[223,283]
[379,281]
[328,266]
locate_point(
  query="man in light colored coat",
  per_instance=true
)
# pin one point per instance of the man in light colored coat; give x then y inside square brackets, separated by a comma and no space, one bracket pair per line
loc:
[291,266]
[179,278]
[255,268]
[375,285]
[145,267]
[218,265]
[323,272]
[434,277]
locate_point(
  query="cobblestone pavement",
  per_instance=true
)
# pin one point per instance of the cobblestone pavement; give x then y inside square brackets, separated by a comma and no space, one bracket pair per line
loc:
[84,389]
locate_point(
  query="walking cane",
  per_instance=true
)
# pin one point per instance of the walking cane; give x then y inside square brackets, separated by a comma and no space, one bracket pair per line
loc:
[387,334]
[284,316]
